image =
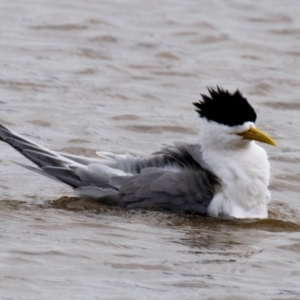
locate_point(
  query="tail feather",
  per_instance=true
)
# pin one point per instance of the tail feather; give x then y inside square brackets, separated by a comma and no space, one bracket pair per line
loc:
[25,147]
[38,171]
[65,175]
[52,164]
[43,159]
[18,142]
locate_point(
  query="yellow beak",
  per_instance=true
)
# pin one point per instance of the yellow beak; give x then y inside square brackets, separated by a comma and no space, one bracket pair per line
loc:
[255,134]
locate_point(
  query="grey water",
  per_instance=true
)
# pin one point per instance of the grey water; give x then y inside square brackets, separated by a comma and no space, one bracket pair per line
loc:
[120,76]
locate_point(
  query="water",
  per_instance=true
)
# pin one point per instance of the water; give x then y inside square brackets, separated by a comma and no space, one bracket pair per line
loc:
[81,76]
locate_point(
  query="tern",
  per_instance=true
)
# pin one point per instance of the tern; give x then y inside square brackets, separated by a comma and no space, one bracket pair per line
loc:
[225,174]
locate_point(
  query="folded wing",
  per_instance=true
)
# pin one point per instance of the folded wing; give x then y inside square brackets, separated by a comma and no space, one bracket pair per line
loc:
[174,178]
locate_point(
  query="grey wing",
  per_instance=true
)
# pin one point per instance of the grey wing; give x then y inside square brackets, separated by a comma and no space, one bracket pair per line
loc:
[174,178]
[186,190]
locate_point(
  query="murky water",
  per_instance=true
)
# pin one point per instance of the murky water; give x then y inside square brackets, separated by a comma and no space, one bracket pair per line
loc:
[81,76]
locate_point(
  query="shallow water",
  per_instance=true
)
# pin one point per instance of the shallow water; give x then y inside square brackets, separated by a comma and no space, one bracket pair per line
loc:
[82,76]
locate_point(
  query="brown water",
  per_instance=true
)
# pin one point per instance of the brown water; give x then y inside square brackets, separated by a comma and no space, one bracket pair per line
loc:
[81,76]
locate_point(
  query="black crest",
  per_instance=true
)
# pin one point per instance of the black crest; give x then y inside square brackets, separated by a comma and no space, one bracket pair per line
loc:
[225,108]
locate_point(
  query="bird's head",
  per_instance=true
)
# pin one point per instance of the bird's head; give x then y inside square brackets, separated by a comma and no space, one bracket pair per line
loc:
[228,119]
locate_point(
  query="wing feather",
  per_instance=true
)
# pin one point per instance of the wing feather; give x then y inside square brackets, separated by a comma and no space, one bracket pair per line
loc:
[187,190]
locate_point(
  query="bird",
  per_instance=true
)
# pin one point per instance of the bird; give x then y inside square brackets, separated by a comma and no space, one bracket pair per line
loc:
[225,174]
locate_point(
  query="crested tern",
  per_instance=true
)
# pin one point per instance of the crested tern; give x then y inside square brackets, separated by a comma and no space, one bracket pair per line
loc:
[226,174]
